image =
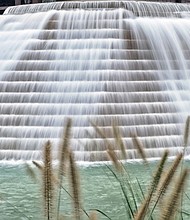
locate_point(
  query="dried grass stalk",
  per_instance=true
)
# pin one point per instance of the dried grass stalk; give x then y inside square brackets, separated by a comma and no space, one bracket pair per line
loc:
[171,203]
[39,166]
[167,178]
[113,157]
[139,146]
[31,172]
[64,149]
[119,141]
[93,216]
[103,136]
[159,171]
[98,130]
[48,194]
[75,186]
[186,133]
[63,159]
[145,205]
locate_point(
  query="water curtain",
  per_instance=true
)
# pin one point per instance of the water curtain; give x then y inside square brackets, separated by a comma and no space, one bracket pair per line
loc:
[118,63]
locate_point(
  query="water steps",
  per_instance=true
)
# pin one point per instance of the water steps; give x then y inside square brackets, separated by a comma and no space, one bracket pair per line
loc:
[91,66]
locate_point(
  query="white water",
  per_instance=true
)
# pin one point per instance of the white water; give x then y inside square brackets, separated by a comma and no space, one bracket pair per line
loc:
[105,65]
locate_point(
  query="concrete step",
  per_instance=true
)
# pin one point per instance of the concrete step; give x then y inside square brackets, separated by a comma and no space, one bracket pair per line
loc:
[99,53]
[86,156]
[93,97]
[92,86]
[14,77]
[84,120]
[90,143]
[91,108]
[52,132]
[108,64]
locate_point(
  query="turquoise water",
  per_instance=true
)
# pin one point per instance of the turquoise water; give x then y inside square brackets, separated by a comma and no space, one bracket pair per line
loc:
[20,196]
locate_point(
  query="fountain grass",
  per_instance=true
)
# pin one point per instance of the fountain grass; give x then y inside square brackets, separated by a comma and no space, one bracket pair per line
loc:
[162,200]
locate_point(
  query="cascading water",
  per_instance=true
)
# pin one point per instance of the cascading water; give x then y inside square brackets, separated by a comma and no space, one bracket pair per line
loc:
[124,63]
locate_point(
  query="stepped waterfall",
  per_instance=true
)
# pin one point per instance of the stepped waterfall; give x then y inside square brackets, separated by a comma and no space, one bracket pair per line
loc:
[121,63]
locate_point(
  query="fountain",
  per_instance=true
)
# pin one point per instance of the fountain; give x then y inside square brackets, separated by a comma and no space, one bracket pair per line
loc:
[122,63]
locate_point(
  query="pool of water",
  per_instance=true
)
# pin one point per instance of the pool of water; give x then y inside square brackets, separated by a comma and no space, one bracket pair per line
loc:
[20,195]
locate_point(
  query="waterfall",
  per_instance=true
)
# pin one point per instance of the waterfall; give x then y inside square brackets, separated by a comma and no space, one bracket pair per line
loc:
[111,63]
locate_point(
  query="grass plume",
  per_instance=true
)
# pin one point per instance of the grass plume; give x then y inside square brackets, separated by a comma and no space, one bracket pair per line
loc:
[75,186]
[63,159]
[167,178]
[30,172]
[48,194]
[38,165]
[64,149]
[93,216]
[119,142]
[139,146]
[113,157]
[146,203]
[186,131]
[172,201]
[138,206]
